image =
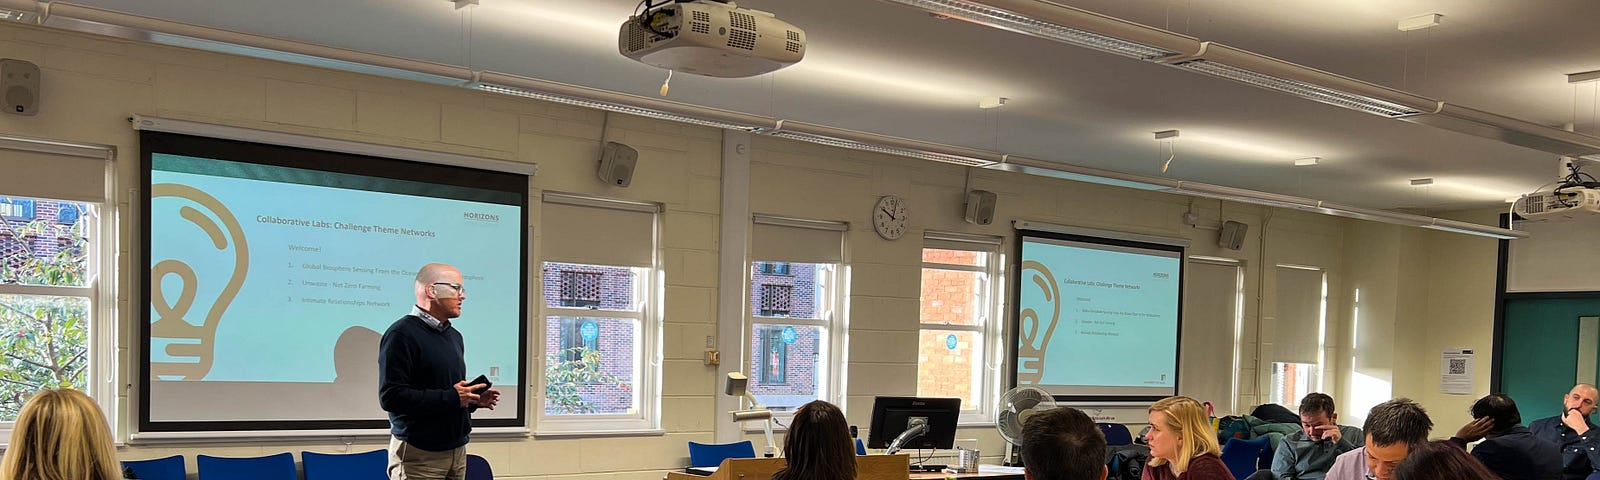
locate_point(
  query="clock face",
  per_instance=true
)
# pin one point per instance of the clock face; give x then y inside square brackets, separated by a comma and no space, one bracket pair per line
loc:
[889,217]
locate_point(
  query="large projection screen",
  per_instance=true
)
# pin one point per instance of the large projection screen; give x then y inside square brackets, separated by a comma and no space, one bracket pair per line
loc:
[1096,319]
[272,273]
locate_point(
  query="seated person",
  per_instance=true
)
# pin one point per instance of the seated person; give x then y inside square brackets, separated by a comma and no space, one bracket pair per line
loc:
[1392,429]
[1310,452]
[1510,449]
[60,434]
[1183,445]
[1574,433]
[1440,460]
[818,445]
[1063,444]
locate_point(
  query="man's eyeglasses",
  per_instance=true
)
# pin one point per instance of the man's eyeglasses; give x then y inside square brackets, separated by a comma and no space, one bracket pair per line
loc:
[459,288]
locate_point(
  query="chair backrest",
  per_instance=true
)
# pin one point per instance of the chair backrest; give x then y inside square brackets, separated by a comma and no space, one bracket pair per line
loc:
[1240,455]
[373,465]
[1116,433]
[270,467]
[169,468]
[712,454]
[477,468]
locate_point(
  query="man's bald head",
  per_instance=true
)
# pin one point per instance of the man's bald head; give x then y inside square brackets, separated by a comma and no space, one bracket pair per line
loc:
[1582,398]
[439,290]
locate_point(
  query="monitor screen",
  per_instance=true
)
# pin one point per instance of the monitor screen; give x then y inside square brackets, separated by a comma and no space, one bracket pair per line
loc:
[891,415]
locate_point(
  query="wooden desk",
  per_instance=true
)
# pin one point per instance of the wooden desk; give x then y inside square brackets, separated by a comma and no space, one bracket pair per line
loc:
[982,475]
[868,467]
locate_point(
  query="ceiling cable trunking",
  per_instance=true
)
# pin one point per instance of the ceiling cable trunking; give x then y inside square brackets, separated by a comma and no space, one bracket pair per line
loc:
[1082,28]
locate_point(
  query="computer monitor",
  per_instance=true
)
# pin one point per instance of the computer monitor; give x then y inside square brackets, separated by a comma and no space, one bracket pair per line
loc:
[891,415]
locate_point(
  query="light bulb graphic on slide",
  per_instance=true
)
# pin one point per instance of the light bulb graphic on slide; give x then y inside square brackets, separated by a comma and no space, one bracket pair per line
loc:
[191,335]
[1036,326]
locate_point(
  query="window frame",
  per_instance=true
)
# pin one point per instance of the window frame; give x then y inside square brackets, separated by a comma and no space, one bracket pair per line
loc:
[1318,382]
[830,358]
[648,289]
[990,332]
[100,378]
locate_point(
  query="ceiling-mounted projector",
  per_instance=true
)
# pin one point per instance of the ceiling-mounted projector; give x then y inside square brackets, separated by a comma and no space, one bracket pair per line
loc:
[1576,194]
[711,38]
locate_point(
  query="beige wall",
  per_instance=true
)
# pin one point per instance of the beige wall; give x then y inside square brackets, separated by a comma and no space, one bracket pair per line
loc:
[91,86]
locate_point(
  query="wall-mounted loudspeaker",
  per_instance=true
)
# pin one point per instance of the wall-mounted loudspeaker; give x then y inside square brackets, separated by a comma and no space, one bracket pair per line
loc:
[19,83]
[980,207]
[617,162]
[1231,235]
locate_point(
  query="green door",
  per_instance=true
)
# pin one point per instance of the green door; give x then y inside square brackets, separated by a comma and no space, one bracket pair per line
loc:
[1543,340]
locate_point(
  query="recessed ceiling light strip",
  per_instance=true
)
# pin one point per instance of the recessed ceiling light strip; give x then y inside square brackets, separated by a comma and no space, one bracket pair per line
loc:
[871,142]
[1065,24]
[620,102]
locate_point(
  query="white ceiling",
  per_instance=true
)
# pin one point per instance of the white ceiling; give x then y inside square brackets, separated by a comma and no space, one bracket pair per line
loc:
[889,69]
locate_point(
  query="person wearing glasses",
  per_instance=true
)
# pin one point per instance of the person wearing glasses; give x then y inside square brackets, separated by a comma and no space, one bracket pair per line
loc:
[1573,432]
[1392,429]
[421,372]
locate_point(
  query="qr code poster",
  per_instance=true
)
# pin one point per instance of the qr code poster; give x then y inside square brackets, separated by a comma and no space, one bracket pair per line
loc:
[1455,372]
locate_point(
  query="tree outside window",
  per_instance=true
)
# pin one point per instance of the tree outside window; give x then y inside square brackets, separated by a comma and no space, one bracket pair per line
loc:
[44,299]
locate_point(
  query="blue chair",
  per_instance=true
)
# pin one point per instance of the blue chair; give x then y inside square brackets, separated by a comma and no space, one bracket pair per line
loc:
[373,465]
[1116,433]
[1240,455]
[477,468]
[861,447]
[712,454]
[170,468]
[270,467]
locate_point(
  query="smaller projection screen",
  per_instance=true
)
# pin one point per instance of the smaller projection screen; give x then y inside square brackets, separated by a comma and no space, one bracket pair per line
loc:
[1096,318]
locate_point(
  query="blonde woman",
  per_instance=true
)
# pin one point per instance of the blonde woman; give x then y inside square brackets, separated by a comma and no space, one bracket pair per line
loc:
[1183,446]
[60,434]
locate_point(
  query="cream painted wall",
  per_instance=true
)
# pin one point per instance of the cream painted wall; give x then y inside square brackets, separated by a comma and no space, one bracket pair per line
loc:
[92,84]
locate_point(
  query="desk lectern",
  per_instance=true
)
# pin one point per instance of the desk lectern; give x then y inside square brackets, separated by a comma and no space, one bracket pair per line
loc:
[868,467]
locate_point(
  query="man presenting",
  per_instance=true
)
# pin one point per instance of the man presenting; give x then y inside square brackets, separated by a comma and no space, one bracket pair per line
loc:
[1573,432]
[1063,444]
[1310,452]
[420,382]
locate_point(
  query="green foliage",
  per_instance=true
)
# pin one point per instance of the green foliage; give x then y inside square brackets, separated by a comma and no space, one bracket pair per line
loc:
[565,380]
[44,339]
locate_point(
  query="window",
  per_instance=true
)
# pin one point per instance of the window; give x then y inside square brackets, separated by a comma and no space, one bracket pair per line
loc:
[775,356]
[48,300]
[580,289]
[775,268]
[1297,348]
[1213,299]
[956,343]
[601,330]
[53,304]
[776,299]
[794,321]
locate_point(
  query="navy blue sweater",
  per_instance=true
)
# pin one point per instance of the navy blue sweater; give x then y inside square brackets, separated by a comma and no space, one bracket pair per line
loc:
[418,367]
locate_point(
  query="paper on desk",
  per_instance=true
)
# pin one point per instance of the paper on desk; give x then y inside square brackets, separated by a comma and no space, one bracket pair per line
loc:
[999,469]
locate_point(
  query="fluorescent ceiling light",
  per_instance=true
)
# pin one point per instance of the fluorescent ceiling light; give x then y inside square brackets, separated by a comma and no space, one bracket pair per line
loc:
[1004,19]
[1583,77]
[610,107]
[1300,89]
[872,147]
[1307,162]
[1471,229]
[1419,22]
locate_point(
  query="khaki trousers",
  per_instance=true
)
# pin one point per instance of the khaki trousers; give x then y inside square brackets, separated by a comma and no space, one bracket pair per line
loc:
[407,462]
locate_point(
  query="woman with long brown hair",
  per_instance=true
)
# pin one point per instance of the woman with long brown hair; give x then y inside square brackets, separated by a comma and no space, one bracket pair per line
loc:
[818,445]
[60,434]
